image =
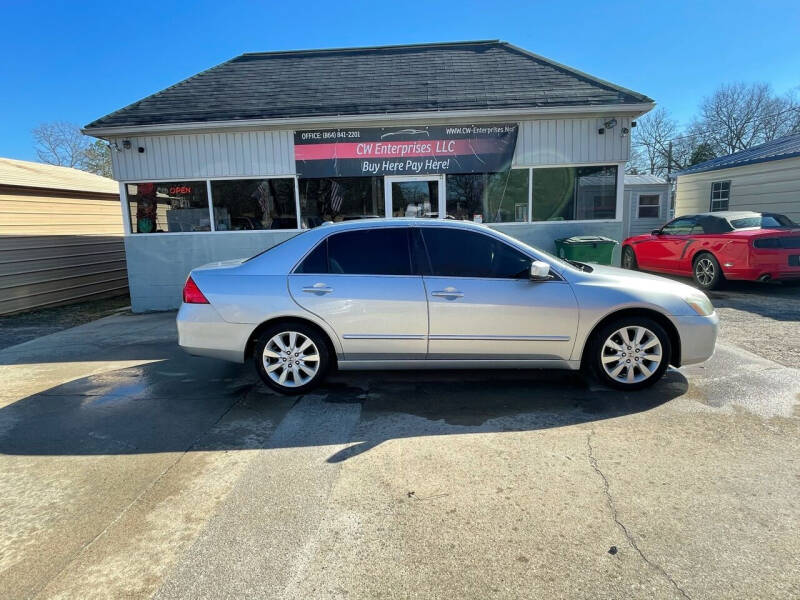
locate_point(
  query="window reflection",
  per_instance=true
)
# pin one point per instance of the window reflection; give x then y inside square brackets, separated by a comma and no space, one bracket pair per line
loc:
[340,199]
[247,204]
[489,197]
[574,193]
[160,207]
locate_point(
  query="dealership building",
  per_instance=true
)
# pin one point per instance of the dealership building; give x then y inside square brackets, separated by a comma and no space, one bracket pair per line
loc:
[253,151]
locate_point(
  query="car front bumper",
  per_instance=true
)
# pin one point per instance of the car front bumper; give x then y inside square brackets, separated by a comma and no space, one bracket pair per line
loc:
[698,337]
[202,332]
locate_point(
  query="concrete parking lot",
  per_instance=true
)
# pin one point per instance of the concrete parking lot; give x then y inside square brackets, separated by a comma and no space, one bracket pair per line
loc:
[129,469]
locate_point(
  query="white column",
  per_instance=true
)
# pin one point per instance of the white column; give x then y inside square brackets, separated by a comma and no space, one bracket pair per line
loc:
[620,190]
[211,224]
[126,210]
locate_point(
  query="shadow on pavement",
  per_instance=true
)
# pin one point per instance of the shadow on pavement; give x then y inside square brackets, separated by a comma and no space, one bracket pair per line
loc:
[183,403]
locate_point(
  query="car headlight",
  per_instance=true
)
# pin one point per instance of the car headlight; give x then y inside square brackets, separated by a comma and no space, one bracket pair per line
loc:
[700,304]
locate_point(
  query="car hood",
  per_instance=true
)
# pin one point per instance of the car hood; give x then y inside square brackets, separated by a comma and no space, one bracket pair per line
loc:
[635,280]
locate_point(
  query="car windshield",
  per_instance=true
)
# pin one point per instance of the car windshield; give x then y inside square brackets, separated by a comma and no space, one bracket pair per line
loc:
[765,221]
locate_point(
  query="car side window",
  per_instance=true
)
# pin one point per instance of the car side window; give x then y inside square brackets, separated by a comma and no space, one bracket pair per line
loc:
[681,226]
[316,261]
[381,251]
[460,253]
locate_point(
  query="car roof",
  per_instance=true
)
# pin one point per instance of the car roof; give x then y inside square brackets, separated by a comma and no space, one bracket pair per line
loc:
[401,222]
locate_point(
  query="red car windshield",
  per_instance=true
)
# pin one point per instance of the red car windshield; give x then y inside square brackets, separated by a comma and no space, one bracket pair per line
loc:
[765,221]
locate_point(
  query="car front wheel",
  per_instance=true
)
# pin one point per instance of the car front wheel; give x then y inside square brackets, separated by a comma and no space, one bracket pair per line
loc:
[630,353]
[629,259]
[291,358]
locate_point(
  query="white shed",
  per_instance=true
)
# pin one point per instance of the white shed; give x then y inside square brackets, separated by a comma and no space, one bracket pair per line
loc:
[764,178]
[646,203]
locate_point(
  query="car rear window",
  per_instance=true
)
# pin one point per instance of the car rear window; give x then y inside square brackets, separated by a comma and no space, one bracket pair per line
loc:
[316,261]
[766,221]
[382,251]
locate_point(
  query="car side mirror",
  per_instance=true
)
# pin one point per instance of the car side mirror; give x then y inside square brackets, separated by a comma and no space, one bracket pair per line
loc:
[540,271]
[656,232]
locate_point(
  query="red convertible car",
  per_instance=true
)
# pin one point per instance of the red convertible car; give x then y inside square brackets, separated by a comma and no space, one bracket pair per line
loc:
[712,247]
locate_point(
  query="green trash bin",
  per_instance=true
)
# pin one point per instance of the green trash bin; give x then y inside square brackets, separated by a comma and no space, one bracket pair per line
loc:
[587,249]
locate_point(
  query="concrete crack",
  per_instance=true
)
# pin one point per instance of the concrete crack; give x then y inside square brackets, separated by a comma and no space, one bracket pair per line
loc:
[613,507]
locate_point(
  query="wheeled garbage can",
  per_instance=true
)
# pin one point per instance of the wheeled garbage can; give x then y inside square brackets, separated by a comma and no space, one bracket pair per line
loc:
[587,249]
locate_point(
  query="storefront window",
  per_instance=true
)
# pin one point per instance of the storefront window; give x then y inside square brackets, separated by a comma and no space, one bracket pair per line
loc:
[168,206]
[489,197]
[574,193]
[247,204]
[340,199]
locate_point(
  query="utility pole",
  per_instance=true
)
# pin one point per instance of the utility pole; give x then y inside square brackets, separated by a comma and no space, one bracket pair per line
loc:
[669,159]
[669,179]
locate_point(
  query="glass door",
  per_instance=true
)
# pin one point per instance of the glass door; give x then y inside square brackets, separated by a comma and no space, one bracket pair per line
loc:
[420,197]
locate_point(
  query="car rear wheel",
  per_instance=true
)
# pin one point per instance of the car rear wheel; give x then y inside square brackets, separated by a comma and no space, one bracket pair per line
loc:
[291,358]
[630,353]
[629,259]
[706,271]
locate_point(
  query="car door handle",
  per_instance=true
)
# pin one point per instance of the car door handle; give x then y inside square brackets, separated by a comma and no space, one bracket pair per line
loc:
[318,288]
[448,293]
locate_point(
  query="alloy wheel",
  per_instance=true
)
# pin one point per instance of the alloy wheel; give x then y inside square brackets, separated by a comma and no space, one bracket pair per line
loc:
[704,271]
[631,354]
[291,359]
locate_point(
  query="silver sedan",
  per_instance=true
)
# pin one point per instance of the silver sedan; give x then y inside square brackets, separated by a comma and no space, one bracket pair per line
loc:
[434,294]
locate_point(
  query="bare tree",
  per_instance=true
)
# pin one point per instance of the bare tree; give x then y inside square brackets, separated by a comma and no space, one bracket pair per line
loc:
[61,143]
[738,116]
[651,139]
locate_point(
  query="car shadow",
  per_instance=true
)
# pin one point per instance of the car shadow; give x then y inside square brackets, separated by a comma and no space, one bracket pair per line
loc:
[184,403]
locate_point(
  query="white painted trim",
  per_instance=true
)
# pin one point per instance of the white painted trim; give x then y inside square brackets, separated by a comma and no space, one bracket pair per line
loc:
[635,203]
[297,203]
[388,180]
[212,221]
[503,223]
[564,222]
[620,191]
[126,210]
[192,179]
[431,117]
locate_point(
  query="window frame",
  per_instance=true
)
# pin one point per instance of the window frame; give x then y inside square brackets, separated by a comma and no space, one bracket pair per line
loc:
[477,233]
[326,240]
[721,183]
[639,197]
[124,200]
[125,204]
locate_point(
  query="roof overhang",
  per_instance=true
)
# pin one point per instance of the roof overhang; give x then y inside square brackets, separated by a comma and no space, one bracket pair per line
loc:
[366,120]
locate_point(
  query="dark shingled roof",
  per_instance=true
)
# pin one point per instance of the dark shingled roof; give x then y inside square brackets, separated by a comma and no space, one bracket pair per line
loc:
[361,81]
[785,147]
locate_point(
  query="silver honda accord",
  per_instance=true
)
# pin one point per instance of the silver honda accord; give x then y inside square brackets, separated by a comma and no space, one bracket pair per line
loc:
[436,294]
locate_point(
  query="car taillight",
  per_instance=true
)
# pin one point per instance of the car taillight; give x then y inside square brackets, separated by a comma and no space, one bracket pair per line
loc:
[192,293]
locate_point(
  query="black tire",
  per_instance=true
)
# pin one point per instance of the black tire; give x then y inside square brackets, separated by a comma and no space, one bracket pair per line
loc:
[598,354]
[295,364]
[706,272]
[629,259]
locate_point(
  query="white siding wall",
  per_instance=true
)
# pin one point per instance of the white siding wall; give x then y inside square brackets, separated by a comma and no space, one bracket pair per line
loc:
[571,141]
[253,153]
[190,156]
[768,187]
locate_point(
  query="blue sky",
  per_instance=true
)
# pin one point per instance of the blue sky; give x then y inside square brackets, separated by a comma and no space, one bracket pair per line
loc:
[76,61]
